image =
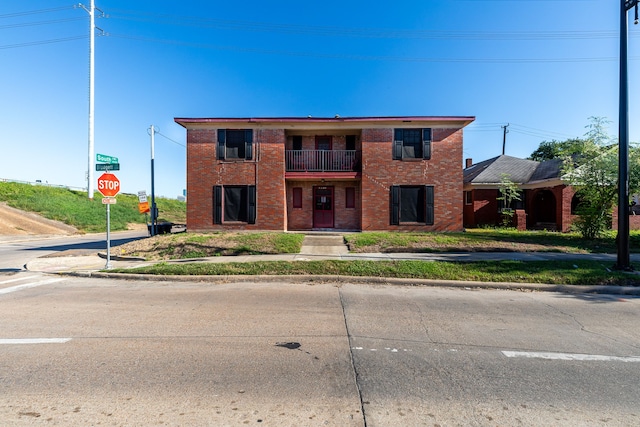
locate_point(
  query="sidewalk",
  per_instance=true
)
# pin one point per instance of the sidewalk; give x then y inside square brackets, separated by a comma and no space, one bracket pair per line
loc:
[95,266]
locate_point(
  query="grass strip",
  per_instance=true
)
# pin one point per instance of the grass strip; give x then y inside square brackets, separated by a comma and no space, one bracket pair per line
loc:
[556,272]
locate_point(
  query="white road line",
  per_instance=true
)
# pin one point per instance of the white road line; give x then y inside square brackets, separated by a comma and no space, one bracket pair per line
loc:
[10,341]
[570,356]
[27,285]
[17,279]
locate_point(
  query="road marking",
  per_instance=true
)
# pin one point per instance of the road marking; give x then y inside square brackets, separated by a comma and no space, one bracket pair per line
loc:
[27,286]
[11,341]
[17,279]
[570,356]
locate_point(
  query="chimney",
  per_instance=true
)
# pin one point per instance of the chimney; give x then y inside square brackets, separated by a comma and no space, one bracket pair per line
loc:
[468,163]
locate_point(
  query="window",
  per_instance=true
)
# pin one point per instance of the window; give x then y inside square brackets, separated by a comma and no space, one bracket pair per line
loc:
[412,144]
[412,204]
[350,142]
[350,196]
[234,203]
[297,197]
[235,144]
[468,198]
[297,142]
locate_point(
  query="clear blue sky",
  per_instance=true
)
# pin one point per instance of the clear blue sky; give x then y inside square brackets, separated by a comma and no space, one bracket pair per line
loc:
[543,66]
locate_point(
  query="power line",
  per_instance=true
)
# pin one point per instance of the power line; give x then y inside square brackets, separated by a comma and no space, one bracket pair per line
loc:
[34,12]
[391,33]
[367,57]
[32,24]
[41,42]
[172,140]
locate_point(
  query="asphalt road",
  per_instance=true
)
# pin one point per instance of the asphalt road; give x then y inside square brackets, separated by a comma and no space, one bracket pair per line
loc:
[158,353]
[16,251]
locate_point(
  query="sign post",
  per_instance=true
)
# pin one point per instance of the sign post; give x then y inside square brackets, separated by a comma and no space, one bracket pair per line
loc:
[108,186]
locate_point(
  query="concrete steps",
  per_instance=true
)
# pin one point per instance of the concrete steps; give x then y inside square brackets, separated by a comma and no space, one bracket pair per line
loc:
[318,244]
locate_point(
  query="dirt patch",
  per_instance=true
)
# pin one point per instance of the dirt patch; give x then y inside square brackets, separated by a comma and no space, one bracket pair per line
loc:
[14,222]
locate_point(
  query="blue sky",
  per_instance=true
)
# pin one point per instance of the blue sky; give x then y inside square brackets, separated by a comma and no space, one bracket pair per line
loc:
[541,66]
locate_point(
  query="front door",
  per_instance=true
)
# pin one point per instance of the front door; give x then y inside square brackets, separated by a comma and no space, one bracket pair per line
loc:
[323,207]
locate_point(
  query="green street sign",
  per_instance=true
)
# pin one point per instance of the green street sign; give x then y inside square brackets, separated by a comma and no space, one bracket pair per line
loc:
[108,167]
[106,159]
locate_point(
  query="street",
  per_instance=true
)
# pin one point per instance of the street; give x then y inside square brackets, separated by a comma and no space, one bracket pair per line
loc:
[87,351]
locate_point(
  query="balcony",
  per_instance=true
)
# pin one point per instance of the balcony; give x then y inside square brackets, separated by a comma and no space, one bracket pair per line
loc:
[322,160]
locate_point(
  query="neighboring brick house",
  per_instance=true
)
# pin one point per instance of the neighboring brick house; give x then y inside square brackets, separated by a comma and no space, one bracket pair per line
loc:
[546,201]
[357,173]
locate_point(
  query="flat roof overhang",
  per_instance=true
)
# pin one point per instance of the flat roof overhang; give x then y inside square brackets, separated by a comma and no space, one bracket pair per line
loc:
[327,122]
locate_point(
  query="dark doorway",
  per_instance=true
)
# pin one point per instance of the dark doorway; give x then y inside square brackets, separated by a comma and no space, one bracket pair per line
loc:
[544,205]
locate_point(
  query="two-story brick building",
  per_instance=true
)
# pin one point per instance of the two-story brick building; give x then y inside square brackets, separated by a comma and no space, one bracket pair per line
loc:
[356,173]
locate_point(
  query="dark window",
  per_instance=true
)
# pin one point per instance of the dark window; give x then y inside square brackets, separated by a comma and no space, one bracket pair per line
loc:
[350,142]
[576,201]
[412,204]
[350,196]
[468,198]
[297,142]
[297,197]
[323,143]
[234,203]
[235,144]
[412,144]
[515,204]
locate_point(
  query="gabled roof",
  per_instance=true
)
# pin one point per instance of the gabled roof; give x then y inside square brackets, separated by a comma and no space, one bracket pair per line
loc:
[490,171]
[520,171]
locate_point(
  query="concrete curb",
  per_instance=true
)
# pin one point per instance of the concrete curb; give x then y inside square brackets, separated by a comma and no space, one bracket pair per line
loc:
[531,287]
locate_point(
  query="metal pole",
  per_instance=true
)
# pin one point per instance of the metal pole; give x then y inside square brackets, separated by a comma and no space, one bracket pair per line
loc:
[154,218]
[623,260]
[92,36]
[108,265]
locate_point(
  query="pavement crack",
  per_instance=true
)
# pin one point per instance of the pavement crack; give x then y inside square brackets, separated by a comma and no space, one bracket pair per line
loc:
[353,365]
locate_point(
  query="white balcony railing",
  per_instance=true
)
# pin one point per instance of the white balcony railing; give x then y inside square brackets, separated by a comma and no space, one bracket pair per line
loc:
[322,160]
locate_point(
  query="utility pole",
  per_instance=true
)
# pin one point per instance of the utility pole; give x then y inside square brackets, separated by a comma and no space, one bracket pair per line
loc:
[92,41]
[505,131]
[623,259]
[154,211]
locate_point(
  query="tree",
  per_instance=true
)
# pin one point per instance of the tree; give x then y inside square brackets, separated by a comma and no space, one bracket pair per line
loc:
[594,175]
[509,193]
[574,147]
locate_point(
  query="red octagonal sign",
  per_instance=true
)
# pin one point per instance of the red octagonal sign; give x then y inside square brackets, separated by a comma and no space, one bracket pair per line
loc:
[108,184]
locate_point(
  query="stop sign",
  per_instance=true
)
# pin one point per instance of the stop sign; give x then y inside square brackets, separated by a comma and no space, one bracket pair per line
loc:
[108,184]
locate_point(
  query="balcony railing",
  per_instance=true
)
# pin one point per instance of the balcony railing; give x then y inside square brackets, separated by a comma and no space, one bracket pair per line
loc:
[322,160]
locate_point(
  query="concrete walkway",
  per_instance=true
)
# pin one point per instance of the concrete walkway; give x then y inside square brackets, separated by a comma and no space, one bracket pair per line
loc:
[323,247]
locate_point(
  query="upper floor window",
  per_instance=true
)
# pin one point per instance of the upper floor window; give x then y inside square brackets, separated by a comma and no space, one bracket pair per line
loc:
[412,144]
[235,144]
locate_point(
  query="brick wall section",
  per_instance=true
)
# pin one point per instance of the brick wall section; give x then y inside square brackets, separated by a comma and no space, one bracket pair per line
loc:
[380,172]
[201,154]
[204,171]
[272,211]
[485,207]
[344,219]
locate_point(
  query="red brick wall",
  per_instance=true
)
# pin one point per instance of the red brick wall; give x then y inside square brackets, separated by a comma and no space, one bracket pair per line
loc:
[344,219]
[204,171]
[380,172]
[485,206]
[274,198]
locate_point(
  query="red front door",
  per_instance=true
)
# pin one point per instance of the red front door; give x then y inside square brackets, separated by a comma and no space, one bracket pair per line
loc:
[323,207]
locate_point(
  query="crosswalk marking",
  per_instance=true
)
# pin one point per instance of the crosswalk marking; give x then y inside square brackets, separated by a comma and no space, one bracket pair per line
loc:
[26,285]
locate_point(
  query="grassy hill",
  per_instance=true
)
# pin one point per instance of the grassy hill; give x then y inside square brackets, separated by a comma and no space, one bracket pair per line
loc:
[74,207]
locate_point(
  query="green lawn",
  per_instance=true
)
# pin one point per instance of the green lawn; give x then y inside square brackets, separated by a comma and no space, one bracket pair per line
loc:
[74,207]
[557,272]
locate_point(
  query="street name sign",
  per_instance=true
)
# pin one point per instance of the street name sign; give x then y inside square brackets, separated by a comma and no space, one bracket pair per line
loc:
[103,158]
[107,166]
